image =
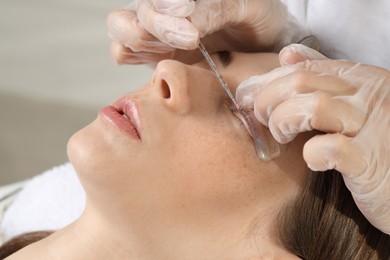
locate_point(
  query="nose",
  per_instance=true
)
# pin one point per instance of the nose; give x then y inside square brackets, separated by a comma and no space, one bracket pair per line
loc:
[186,87]
[170,80]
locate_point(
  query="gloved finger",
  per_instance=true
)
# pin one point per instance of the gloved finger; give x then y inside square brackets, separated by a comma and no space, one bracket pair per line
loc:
[248,89]
[123,55]
[274,92]
[177,32]
[178,8]
[123,21]
[335,151]
[295,53]
[330,67]
[299,75]
[316,110]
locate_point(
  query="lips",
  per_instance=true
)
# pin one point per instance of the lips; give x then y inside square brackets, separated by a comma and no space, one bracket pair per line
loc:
[124,115]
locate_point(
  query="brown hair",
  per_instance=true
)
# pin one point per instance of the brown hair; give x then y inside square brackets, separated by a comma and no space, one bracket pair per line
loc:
[323,222]
[18,242]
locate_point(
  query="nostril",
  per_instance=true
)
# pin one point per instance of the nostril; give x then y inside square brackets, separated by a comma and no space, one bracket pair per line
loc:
[165,91]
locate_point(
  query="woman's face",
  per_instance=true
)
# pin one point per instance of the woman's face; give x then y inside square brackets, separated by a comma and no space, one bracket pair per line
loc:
[179,151]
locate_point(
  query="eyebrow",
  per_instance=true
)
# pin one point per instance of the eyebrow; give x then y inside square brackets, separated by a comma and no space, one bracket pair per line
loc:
[224,57]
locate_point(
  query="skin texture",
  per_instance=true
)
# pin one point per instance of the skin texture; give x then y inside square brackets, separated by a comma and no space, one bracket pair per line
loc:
[191,188]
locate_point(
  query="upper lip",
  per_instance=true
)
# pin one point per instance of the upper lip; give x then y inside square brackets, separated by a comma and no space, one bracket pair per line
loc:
[128,107]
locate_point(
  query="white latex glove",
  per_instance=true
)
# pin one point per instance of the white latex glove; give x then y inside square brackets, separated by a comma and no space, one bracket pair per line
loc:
[151,30]
[347,101]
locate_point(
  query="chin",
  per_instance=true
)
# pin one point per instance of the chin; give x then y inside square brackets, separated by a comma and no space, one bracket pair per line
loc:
[84,151]
[99,155]
[102,171]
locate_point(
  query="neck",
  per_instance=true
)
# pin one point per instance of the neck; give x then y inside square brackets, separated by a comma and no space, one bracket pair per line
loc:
[92,237]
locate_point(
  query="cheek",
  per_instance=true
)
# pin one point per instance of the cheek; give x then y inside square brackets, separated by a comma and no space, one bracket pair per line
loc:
[192,162]
[210,165]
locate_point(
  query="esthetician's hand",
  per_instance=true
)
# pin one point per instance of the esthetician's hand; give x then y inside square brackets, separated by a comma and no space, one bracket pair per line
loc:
[151,30]
[349,102]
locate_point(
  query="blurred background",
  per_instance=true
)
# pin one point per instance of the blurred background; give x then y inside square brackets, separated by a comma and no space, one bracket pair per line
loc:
[55,74]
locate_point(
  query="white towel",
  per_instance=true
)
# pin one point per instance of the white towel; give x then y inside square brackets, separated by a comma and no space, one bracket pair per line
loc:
[49,201]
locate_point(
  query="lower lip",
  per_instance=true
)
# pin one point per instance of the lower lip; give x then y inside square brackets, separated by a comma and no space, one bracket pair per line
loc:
[113,117]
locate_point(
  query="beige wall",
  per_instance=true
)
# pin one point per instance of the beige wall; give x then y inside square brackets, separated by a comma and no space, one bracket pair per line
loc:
[55,73]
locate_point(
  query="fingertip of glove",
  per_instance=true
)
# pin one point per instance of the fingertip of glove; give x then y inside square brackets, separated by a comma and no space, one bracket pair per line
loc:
[187,41]
[292,54]
[178,8]
[295,53]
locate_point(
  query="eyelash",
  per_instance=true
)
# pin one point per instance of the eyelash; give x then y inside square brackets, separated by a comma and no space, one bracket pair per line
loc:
[244,123]
[234,112]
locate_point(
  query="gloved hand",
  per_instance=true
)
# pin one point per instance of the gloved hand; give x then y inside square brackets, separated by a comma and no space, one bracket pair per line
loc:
[350,102]
[151,30]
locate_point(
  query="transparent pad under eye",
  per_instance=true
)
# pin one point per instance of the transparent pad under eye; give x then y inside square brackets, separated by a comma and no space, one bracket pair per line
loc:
[267,148]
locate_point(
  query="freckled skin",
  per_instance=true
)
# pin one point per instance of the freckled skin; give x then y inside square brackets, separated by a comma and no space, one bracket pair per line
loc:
[196,164]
